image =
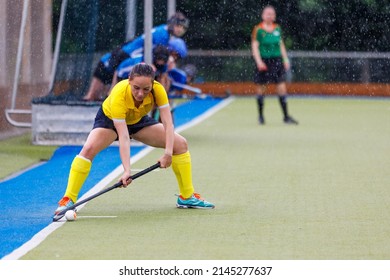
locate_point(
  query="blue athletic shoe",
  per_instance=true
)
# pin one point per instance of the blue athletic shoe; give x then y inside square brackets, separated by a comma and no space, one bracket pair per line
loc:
[65,202]
[195,201]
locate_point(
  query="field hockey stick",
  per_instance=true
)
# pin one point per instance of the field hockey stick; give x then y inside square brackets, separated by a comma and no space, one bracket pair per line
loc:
[195,90]
[61,214]
[198,92]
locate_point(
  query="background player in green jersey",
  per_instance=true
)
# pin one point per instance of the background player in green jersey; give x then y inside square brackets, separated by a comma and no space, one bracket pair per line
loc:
[270,55]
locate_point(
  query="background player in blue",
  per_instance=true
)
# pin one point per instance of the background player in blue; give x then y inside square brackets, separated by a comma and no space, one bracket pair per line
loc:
[176,50]
[160,60]
[176,26]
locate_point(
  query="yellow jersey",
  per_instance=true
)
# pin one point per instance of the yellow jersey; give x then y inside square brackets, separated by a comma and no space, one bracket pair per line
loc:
[119,105]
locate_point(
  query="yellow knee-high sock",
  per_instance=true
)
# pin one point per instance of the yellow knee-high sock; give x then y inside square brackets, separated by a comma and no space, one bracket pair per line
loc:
[78,173]
[181,165]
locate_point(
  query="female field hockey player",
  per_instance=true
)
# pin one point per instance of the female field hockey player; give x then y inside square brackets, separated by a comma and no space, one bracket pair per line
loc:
[124,115]
[270,55]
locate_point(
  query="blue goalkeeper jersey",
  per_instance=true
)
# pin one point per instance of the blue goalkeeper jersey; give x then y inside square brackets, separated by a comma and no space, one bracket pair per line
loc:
[125,67]
[135,48]
[160,36]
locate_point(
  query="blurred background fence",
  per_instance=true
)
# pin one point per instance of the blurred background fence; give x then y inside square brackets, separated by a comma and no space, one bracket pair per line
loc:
[238,67]
[306,66]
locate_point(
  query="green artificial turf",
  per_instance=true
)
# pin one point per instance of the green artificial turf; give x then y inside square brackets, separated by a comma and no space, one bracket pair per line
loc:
[17,153]
[319,190]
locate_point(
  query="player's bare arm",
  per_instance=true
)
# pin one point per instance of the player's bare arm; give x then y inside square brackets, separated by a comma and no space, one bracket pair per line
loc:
[166,119]
[124,149]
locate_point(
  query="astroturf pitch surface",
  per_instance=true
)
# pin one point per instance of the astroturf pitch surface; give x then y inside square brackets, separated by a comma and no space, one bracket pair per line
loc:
[319,190]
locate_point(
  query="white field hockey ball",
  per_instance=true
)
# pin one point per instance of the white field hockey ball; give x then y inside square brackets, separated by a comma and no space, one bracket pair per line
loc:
[70,215]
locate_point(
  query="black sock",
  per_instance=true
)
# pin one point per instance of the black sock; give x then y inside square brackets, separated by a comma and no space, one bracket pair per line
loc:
[260,105]
[283,104]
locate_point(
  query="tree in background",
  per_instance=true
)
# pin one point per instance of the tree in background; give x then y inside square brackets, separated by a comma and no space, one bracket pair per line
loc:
[354,25]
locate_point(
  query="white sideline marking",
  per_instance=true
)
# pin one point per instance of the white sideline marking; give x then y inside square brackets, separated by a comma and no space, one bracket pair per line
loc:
[95,217]
[41,235]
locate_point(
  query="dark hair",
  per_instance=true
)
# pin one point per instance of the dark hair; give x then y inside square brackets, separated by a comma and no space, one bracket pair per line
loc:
[142,70]
[178,19]
[268,7]
[160,52]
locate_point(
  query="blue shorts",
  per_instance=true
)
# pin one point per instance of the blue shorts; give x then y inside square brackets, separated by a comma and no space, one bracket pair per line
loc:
[102,121]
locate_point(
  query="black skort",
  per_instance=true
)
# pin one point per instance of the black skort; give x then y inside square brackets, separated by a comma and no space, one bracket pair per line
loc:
[103,74]
[102,121]
[274,75]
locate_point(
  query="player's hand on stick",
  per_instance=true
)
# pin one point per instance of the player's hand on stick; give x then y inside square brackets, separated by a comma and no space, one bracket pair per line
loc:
[165,161]
[125,178]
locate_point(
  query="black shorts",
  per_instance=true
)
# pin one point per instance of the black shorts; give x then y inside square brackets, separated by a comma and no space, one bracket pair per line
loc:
[117,57]
[274,75]
[103,74]
[102,121]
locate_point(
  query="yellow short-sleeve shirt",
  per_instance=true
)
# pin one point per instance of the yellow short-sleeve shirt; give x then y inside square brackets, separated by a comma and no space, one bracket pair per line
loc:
[119,105]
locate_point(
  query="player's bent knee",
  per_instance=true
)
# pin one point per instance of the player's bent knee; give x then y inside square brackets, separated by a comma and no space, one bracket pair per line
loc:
[181,145]
[88,152]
